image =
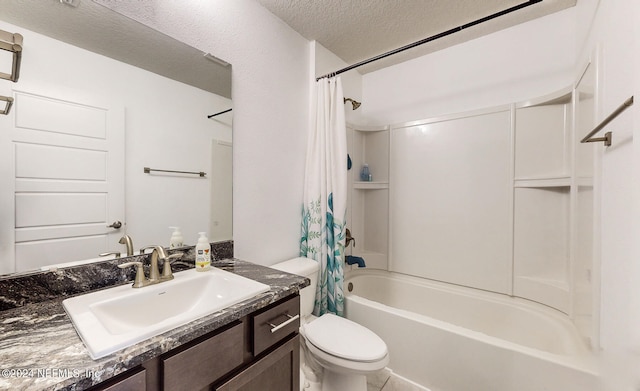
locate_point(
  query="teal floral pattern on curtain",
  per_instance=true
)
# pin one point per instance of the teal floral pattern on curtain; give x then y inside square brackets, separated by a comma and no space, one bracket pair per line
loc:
[325,198]
[325,240]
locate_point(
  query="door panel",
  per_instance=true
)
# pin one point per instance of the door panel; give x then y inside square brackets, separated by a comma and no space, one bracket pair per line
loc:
[58,116]
[68,178]
[47,209]
[33,255]
[63,163]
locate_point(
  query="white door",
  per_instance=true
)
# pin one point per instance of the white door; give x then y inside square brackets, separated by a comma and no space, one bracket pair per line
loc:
[67,178]
[221,191]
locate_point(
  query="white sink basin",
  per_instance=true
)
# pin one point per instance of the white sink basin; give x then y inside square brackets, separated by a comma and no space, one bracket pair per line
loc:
[112,319]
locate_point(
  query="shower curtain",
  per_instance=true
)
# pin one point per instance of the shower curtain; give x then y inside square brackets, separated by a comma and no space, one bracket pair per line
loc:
[325,196]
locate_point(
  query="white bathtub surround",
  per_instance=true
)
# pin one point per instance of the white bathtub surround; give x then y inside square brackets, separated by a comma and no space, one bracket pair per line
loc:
[325,196]
[450,199]
[458,339]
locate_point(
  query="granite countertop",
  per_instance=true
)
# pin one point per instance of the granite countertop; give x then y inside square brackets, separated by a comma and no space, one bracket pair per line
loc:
[40,349]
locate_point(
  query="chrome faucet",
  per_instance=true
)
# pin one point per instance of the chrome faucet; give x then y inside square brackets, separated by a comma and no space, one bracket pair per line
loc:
[139,281]
[126,240]
[158,253]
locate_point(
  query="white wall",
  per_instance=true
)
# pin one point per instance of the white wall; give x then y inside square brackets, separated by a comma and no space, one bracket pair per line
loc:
[270,113]
[514,64]
[326,62]
[613,30]
[165,125]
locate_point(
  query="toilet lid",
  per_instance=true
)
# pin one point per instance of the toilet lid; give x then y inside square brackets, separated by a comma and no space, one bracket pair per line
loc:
[343,338]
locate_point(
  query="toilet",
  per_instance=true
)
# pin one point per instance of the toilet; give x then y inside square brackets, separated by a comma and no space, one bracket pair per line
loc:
[336,352]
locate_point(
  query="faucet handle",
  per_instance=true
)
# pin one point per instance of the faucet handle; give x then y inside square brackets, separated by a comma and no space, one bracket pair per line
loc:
[116,253]
[167,273]
[349,238]
[139,280]
[143,249]
[175,256]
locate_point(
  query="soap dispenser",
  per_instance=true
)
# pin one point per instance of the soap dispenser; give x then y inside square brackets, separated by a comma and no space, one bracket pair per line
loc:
[203,253]
[365,175]
[176,238]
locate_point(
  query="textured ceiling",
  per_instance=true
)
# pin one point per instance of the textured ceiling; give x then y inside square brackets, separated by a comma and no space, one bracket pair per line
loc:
[356,30]
[352,29]
[100,30]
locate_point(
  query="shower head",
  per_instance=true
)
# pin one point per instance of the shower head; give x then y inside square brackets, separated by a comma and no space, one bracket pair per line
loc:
[354,103]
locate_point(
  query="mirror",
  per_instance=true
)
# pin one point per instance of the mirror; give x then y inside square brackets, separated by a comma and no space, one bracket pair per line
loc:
[100,97]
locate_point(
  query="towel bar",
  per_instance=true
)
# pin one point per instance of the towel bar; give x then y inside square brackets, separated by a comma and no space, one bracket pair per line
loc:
[607,136]
[148,170]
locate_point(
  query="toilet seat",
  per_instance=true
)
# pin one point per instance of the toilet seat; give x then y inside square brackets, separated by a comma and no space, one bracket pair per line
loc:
[341,365]
[343,339]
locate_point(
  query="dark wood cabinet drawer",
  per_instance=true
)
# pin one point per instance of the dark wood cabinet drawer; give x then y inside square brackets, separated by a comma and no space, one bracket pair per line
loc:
[132,380]
[276,323]
[278,371]
[200,365]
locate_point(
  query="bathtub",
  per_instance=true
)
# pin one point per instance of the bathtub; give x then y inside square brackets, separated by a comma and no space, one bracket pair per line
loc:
[451,338]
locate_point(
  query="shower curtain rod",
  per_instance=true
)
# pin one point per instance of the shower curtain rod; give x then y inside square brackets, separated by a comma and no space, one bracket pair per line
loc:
[216,114]
[429,39]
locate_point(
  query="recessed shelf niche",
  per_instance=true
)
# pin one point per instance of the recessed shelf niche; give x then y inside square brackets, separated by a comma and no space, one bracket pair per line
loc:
[542,200]
[368,212]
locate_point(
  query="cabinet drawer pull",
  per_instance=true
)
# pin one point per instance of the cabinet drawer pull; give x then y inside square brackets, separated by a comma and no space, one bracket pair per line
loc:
[291,319]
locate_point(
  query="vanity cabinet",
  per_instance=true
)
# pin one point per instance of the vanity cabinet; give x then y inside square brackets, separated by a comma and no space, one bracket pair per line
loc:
[272,325]
[260,351]
[132,380]
[277,371]
[201,364]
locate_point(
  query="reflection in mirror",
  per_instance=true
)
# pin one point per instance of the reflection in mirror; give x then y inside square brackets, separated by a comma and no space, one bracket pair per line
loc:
[99,98]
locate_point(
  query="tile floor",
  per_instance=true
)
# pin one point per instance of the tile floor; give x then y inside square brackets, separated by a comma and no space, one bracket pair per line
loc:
[386,380]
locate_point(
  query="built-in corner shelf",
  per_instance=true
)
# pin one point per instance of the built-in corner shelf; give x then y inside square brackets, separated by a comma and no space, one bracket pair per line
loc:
[560,181]
[543,183]
[584,182]
[370,185]
[368,210]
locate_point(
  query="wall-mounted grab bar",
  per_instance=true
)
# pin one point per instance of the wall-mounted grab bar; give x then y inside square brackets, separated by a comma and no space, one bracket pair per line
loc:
[8,103]
[607,136]
[148,170]
[12,43]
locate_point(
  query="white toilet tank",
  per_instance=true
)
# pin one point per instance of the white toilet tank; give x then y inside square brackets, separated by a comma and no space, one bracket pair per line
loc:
[307,268]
